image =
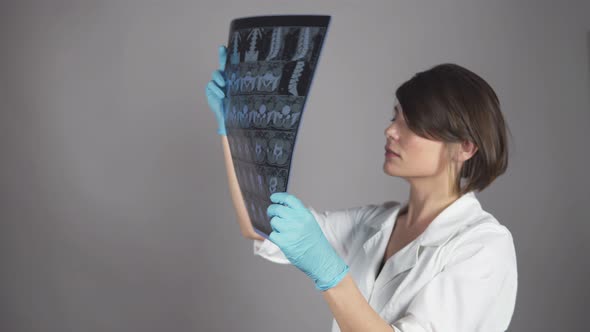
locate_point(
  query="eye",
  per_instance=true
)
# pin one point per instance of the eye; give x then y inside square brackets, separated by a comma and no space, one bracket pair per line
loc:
[393,119]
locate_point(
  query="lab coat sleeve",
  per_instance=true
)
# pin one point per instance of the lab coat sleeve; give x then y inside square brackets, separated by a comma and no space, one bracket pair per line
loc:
[475,291]
[338,226]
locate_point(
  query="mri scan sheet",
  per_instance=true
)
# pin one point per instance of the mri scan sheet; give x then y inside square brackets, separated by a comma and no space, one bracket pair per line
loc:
[270,65]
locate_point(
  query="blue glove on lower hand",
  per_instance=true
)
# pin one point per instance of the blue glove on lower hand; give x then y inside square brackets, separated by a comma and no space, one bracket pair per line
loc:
[215,92]
[300,238]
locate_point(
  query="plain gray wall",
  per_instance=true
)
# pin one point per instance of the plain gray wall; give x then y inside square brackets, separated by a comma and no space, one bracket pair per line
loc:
[114,205]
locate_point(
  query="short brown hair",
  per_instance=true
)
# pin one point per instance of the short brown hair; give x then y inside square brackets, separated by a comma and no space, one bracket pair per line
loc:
[450,103]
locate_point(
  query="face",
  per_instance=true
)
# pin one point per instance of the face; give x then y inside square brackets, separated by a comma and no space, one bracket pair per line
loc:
[417,156]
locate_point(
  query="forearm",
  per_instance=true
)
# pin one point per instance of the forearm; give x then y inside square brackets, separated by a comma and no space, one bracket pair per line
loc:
[350,309]
[236,194]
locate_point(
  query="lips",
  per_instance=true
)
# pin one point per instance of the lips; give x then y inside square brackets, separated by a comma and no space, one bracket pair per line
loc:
[390,150]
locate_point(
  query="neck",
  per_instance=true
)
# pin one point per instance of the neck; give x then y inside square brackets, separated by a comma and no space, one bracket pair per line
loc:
[425,203]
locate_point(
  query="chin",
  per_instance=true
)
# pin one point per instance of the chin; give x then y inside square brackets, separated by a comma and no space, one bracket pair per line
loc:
[389,171]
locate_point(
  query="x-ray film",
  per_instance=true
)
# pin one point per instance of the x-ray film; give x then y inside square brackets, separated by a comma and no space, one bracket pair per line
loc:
[270,65]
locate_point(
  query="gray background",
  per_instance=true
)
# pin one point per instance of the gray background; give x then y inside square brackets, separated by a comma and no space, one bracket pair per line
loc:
[114,205]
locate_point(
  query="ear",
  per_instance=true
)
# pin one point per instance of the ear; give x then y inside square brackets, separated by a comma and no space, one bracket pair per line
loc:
[466,150]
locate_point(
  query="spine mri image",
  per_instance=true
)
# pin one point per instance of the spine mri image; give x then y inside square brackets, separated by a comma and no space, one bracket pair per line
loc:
[270,65]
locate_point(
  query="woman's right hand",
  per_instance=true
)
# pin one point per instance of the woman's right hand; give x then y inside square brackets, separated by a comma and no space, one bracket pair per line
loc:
[216,91]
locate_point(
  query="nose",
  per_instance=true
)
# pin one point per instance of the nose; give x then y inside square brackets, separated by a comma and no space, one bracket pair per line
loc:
[392,132]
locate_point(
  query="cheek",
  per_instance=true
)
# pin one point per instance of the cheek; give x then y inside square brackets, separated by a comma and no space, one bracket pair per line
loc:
[424,154]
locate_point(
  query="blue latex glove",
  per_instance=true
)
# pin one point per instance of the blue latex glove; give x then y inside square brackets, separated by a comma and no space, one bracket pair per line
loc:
[215,91]
[300,238]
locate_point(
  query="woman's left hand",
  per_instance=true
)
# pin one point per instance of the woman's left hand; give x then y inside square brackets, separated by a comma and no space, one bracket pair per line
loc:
[300,238]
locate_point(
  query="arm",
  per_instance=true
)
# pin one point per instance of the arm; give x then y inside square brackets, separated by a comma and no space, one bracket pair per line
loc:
[236,194]
[338,225]
[215,92]
[476,290]
[298,234]
[351,310]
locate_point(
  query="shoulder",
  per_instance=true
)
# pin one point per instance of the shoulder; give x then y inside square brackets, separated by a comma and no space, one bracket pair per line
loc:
[376,214]
[484,228]
[384,207]
[484,237]
[361,212]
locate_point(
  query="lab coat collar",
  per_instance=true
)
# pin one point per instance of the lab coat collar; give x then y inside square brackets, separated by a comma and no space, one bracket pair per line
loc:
[373,250]
[438,231]
[441,228]
[451,219]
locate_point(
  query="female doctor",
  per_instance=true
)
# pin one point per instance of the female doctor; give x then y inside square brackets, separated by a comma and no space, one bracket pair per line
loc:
[436,262]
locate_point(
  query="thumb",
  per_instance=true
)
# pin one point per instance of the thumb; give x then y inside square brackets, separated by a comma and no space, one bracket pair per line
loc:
[222,57]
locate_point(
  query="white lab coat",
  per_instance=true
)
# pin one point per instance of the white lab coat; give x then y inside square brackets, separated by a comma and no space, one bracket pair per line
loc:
[459,275]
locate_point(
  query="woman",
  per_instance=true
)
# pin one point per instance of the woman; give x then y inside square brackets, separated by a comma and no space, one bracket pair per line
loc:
[437,261]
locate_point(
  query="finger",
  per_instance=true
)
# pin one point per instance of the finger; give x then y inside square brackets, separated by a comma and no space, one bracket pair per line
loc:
[287,199]
[215,89]
[212,95]
[278,210]
[222,57]
[218,78]
[278,224]
[275,238]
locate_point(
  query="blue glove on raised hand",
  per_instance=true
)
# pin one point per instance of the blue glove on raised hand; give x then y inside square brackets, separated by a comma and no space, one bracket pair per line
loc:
[300,238]
[215,91]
